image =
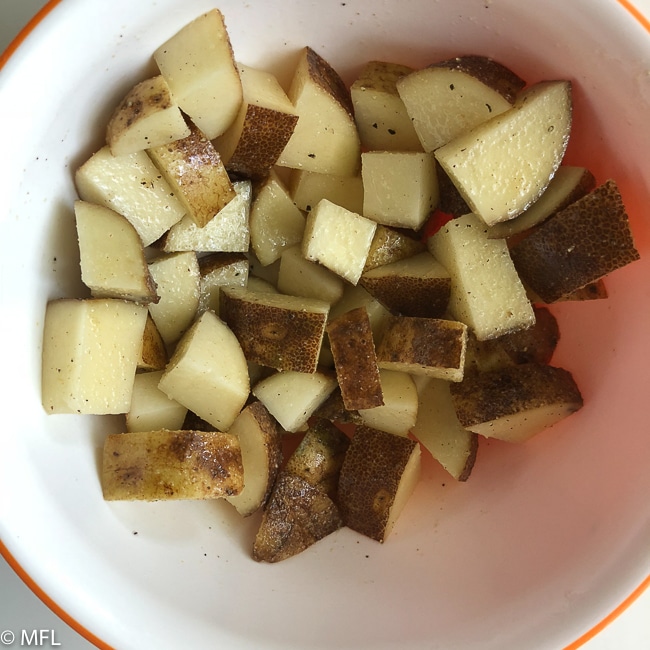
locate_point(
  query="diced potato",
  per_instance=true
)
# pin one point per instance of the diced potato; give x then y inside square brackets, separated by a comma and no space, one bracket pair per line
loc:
[292,397]
[198,64]
[333,410]
[536,343]
[151,409]
[399,411]
[391,245]
[338,239]
[90,353]
[592,291]
[166,465]
[133,187]
[153,355]
[399,188]
[308,188]
[486,292]
[146,117]
[220,270]
[208,372]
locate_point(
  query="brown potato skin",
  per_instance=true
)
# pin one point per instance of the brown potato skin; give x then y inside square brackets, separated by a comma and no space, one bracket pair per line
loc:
[391,245]
[154,353]
[328,79]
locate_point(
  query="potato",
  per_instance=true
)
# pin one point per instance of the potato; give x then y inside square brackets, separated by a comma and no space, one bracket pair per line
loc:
[112,258]
[526,143]
[153,355]
[325,138]
[208,372]
[355,360]
[90,353]
[220,270]
[146,117]
[308,188]
[578,245]
[275,330]
[133,187]
[391,245]
[199,66]
[379,474]
[260,440]
[333,410]
[167,465]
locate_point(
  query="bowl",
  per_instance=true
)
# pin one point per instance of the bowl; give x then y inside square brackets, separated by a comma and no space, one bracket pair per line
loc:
[544,542]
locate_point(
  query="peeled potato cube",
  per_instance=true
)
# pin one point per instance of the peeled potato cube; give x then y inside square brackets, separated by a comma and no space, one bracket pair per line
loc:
[166,465]
[391,245]
[308,188]
[146,117]
[151,409]
[379,474]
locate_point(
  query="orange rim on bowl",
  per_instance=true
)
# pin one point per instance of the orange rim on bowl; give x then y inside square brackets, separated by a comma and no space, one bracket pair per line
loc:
[69,620]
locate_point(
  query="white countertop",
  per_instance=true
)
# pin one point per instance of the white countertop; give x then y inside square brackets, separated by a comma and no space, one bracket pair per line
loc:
[20,609]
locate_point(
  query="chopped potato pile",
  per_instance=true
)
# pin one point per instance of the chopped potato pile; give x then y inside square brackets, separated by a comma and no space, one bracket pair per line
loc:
[295,293]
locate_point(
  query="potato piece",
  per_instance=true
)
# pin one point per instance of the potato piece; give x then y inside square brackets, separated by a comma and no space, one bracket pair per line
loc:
[220,270]
[578,245]
[193,168]
[198,64]
[416,286]
[177,278]
[536,343]
[153,355]
[451,97]
[151,409]
[486,292]
[516,402]
[400,408]
[390,245]
[146,117]
[265,121]
[296,517]
[437,428]
[90,353]
[379,112]
[333,410]
[261,447]
[112,259]
[526,143]
[450,201]
[292,397]
[133,187]
[355,360]
[338,239]
[325,138]
[275,222]
[275,330]
[379,474]
[308,188]
[166,465]
[300,277]
[592,291]
[424,346]
[399,188]
[227,232]
[208,372]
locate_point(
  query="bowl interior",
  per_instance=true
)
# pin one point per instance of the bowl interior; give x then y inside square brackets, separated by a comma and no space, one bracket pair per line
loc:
[544,539]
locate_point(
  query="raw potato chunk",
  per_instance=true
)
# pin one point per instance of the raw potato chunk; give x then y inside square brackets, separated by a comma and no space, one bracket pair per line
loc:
[260,440]
[415,286]
[151,409]
[338,239]
[380,114]
[577,246]
[516,402]
[502,166]
[379,474]
[193,168]
[166,465]
[292,397]
[437,428]
[133,187]
[308,188]
[325,138]
[177,278]
[146,117]
[220,270]
[113,263]
[275,330]
[399,411]
[262,128]
[391,245]
[90,353]
[275,222]
[208,372]
[451,97]
[424,346]
[296,517]
[153,355]
[399,188]
[227,232]
[355,360]
[536,343]
[198,64]
[486,292]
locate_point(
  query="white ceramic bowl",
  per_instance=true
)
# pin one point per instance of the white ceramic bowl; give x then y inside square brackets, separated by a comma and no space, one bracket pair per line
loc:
[543,542]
